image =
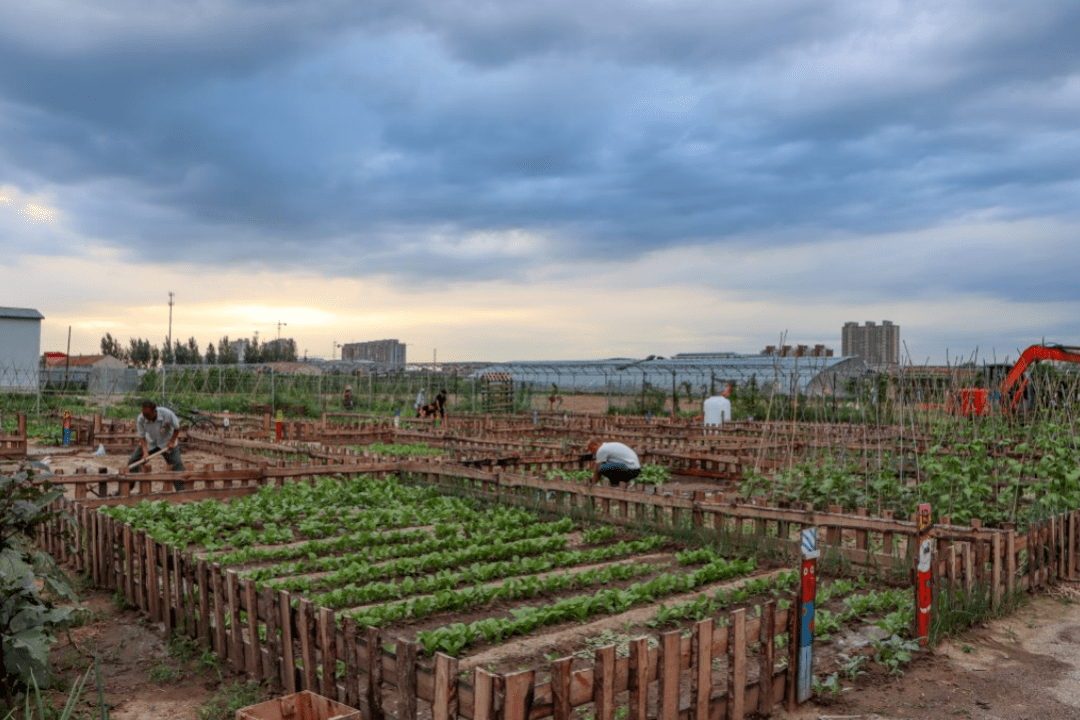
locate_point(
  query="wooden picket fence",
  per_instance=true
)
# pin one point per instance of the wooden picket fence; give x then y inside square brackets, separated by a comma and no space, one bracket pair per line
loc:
[727,668]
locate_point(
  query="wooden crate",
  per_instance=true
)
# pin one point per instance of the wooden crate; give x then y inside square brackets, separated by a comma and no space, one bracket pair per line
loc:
[304,705]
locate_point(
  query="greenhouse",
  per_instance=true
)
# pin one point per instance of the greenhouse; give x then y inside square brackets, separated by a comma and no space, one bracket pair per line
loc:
[704,374]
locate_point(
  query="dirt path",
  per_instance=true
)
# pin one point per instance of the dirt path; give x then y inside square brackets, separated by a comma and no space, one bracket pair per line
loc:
[1022,667]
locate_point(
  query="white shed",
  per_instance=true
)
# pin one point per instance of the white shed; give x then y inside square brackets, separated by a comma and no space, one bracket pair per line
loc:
[20,349]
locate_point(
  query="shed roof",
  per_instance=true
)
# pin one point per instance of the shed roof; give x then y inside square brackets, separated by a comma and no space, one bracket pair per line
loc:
[20,313]
[81,361]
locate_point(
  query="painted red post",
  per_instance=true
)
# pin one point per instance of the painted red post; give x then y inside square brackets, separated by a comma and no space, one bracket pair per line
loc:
[280,419]
[926,544]
[807,597]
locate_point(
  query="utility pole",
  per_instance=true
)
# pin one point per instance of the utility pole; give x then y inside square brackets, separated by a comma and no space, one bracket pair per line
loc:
[279,324]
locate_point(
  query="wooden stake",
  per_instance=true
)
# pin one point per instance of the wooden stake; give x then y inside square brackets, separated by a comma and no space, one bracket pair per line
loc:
[701,641]
[288,666]
[406,680]
[604,683]
[444,704]
[374,673]
[638,682]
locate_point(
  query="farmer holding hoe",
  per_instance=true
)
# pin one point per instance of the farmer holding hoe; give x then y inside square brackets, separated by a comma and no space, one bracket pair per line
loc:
[159,427]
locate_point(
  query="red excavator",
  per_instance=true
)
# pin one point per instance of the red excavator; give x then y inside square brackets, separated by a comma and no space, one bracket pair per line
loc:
[976,401]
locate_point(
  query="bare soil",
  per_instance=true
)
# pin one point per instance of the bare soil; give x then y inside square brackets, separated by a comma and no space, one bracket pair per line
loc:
[1022,667]
[141,679]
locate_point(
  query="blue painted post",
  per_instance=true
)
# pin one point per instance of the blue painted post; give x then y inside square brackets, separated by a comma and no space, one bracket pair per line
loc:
[807,596]
[67,427]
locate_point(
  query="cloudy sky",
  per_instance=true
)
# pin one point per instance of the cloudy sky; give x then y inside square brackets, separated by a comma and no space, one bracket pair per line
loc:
[567,179]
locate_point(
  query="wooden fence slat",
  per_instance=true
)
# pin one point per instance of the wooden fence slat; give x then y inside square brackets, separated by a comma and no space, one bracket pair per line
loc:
[995,575]
[1032,558]
[1071,546]
[792,683]
[737,665]
[374,673]
[235,636]
[444,702]
[188,568]
[107,550]
[129,566]
[201,572]
[668,675]
[288,662]
[152,590]
[305,622]
[181,592]
[95,544]
[328,649]
[166,586]
[220,641]
[767,658]
[560,688]
[1063,565]
[518,695]
[253,661]
[701,669]
[638,682]
[272,656]
[350,630]
[483,695]
[604,683]
[406,679]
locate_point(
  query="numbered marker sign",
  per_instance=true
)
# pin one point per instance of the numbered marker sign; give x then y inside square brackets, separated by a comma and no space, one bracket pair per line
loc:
[807,597]
[926,550]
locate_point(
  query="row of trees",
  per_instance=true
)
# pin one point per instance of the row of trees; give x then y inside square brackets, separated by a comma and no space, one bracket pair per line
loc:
[142,353]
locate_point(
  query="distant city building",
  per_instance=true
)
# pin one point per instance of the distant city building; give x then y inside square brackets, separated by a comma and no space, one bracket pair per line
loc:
[385,352]
[798,351]
[875,344]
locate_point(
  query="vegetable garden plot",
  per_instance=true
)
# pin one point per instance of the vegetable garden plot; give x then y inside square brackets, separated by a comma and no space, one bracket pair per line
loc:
[445,571]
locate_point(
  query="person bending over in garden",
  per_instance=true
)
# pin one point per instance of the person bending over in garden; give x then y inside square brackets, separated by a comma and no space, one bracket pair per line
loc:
[615,461]
[159,429]
[440,404]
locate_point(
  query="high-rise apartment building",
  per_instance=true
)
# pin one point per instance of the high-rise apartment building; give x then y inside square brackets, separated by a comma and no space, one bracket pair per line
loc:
[875,344]
[387,352]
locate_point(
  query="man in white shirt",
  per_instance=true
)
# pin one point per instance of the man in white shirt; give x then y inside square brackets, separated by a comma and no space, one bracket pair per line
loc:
[615,461]
[159,429]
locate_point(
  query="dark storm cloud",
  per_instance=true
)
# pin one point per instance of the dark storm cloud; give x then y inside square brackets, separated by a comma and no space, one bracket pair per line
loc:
[351,134]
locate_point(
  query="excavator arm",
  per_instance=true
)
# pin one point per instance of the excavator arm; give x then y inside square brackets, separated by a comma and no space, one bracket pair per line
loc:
[1033,354]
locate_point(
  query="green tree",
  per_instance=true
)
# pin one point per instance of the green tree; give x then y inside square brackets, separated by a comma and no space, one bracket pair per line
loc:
[211,354]
[111,346]
[226,354]
[168,357]
[141,353]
